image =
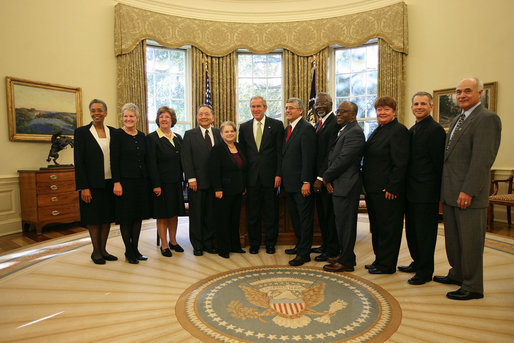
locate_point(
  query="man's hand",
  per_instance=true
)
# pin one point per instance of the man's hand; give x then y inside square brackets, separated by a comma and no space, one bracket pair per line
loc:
[157,191]
[219,194]
[118,190]
[306,189]
[389,196]
[318,186]
[193,186]
[464,200]
[85,195]
[278,181]
[329,186]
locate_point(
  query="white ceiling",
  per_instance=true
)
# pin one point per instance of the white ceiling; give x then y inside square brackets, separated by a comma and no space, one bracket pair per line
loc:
[258,11]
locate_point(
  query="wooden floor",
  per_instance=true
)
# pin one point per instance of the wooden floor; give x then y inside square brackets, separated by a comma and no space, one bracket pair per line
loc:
[50,291]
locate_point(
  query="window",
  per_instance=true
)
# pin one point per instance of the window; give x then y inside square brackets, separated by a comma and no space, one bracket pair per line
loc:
[356,76]
[168,73]
[259,75]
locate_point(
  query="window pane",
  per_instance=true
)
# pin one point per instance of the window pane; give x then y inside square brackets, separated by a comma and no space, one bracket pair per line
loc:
[274,89]
[372,57]
[342,85]
[244,111]
[244,65]
[357,84]
[259,66]
[371,81]
[368,127]
[275,109]
[178,106]
[358,59]
[245,87]
[275,66]
[343,61]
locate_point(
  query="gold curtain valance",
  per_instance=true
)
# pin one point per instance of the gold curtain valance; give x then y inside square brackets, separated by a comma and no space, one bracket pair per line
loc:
[220,38]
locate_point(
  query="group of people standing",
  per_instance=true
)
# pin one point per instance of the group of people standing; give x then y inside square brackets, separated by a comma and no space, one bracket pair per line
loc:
[324,167]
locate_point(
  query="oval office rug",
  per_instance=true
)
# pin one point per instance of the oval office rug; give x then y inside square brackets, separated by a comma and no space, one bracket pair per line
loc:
[286,304]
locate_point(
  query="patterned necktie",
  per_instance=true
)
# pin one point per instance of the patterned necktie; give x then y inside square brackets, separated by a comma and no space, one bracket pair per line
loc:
[289,129]
[320,124]
[208,140]
[258,137]
[456,128]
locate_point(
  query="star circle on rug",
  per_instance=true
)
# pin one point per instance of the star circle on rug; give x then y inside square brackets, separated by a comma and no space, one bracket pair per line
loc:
[286,304]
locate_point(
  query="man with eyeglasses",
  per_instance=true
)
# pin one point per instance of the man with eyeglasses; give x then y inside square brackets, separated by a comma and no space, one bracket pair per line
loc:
[326,134]
[298,162]
[342,180]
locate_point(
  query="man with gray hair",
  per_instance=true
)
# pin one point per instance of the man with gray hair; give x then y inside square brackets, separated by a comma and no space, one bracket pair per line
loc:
[423,188]
[471,147]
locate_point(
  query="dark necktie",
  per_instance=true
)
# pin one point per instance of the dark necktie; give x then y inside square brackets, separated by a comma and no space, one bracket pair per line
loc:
[289,129]
[456,129]
[208,140]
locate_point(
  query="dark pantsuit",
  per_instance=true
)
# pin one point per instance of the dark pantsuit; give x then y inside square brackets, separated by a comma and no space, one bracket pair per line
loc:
[327,222]
[346,225]
[228,210]
[201,231]
[386,224]
[301,210]
[421,232]
[261,202]
[461,241]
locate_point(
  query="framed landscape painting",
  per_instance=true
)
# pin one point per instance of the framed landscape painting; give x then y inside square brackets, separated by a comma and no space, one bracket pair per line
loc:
[446,108]
[37,110]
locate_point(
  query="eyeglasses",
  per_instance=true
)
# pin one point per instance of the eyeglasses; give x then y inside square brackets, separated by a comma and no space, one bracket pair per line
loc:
[289,108]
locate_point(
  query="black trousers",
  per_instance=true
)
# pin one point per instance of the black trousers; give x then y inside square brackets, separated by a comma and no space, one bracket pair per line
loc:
[228,214]
[327,222]
[262,208]
[386,224]
[421,232]
[301,211]
[346,210]
[201,209]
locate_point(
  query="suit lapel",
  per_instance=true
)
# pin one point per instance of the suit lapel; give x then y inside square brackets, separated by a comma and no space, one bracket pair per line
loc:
[464,126]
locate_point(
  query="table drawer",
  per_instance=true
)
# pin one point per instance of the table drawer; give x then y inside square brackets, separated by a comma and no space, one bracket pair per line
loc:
[55,187]
[56,199]
[57,176]
[59,213]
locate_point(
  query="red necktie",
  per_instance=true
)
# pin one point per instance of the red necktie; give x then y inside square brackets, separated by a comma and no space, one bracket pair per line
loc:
[289,129]
[320,124]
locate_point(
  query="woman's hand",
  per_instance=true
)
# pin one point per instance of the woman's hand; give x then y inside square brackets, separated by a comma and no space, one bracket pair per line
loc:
[118,190]
[219,194]
[157,191]
[85,195]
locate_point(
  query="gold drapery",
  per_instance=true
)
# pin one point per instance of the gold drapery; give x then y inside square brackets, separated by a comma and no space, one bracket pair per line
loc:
[298,74]
[220,38]
[222,80]
[391,75]
[131,82]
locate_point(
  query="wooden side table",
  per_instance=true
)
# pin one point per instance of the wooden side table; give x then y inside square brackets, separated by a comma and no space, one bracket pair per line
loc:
[48,196]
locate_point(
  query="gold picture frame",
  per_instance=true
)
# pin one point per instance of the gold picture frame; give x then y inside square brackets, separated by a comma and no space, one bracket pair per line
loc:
[37,110]
[446,108]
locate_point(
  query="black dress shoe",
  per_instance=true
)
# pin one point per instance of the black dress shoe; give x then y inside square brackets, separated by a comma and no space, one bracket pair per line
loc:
[176,247]
[321,258]
[290,251]
[141,257]
[110,257]
[97,260]
[224,254]
[131,259]
[416,280]
[166,252]
[211,251]
[461,294]
[298,261]
[407,269]
[447,281]
[381,271]
[238,251]
[197,252]
[270,250]
[254,250]
[337,267]
[318,250]
[369,266]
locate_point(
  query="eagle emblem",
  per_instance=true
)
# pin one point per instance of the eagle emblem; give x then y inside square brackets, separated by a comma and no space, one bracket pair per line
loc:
[288,300]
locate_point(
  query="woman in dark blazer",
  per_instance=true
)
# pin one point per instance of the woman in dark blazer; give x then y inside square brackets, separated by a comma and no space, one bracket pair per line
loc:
[386,155]
[93,179]
[129,175]
[227,165]
[166,176]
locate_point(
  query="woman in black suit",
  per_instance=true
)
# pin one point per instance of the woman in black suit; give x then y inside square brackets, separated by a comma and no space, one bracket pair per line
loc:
[93,179]
[386,155]
[129,174]
[227,165]
[165,169]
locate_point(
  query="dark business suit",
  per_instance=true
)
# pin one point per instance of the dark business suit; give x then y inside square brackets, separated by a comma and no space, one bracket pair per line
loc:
[386,155]
[343,172]
[228,177]
[466,168]
[195,162]
[298,163]
[423,193]
[263,166]
[325,140]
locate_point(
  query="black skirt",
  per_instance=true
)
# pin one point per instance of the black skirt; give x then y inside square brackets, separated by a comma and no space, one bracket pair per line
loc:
[101,208]
[135,203]
[170,203]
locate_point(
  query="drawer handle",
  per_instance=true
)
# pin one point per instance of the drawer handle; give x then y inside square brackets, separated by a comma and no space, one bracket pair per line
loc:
[54,187]
[54,199]
[55,213]
[53,177]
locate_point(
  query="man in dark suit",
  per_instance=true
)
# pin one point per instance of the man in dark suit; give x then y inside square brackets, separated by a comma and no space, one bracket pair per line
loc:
[261,140]
[195,153]
[471,146]
[342,180]
[298,162]
[326,134]
[423,189]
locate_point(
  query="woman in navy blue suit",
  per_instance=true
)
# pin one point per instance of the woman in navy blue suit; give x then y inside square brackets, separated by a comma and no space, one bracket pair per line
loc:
[166,176]
[227,165]
[129,174]
[93,179]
